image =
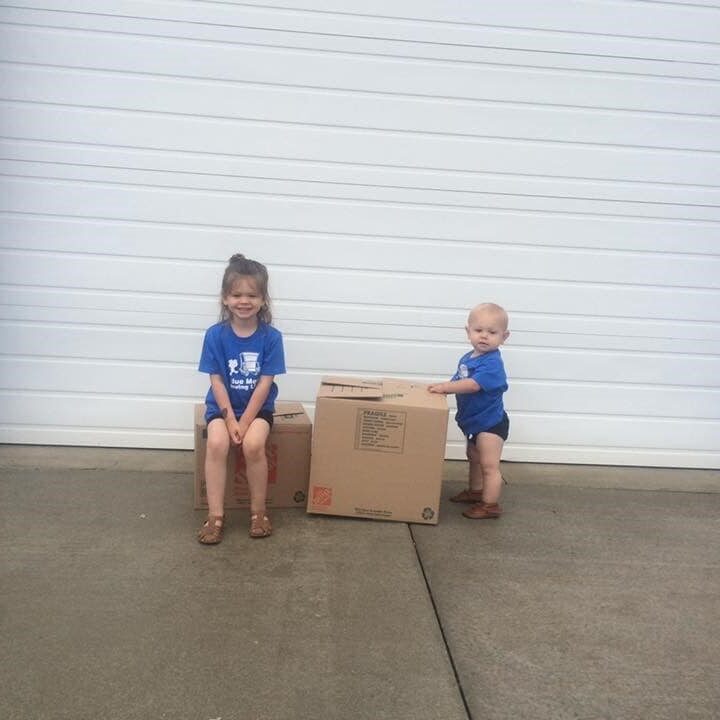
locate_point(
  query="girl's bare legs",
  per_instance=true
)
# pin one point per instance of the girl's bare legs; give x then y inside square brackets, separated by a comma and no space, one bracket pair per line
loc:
[218,445]
[256,463]
[489,447]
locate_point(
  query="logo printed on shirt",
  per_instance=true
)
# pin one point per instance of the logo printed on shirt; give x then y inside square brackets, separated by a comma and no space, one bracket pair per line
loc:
[249,363]
[462,370]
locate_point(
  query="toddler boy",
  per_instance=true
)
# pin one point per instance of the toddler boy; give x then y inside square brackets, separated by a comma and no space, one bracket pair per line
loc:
[479,384]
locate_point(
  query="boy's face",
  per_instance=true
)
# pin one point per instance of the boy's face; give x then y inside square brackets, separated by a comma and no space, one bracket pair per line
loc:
[486,331]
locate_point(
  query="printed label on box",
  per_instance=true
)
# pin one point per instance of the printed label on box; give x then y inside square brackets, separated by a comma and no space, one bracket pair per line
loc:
[380,430]
[385,514]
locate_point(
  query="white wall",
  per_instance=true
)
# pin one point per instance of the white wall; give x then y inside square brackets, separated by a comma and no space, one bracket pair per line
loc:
[393,163]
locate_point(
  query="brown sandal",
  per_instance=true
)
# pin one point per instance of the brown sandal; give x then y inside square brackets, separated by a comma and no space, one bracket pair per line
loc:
[483,511]
[211,532]
[467,496]
[260,526]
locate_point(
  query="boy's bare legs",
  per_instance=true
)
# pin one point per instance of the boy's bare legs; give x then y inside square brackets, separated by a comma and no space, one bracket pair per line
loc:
[474,490]
[489,447]
[256,462]
[218,445]
[475,474]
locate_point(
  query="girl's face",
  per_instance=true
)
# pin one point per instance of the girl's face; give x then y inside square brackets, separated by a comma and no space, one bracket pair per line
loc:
[244,301]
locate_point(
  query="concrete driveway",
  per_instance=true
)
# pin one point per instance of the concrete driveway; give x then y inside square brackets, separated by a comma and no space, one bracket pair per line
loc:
[594,596]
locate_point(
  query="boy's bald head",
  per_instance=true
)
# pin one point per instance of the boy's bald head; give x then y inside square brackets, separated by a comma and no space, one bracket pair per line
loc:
[490,309]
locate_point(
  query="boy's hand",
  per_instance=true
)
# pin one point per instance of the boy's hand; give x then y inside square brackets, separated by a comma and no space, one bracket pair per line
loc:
[455,387]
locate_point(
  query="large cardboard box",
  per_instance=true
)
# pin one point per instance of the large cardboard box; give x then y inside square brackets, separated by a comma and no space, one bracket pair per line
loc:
[378,450]
[288,452]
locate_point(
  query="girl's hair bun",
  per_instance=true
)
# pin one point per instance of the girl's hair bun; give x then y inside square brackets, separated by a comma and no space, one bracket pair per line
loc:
[237,257]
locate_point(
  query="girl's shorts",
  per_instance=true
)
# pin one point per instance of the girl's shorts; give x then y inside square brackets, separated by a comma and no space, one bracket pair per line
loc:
[265,415]
[501,429]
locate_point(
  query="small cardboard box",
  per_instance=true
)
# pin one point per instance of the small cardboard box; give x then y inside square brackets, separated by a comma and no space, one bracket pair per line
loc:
[288,453]
[378,450]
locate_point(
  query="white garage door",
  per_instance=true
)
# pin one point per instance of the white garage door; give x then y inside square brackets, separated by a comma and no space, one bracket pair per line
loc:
[393,164]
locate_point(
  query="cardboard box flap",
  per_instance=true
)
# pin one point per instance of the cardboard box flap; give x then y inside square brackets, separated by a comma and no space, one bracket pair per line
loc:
[283,411]
[350,387]
[287,409]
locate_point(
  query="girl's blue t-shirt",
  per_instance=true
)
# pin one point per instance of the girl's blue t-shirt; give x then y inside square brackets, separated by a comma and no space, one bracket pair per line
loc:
[479,411]
[241,362]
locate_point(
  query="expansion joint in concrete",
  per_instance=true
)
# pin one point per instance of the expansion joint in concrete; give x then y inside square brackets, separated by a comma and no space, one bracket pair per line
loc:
[440,626]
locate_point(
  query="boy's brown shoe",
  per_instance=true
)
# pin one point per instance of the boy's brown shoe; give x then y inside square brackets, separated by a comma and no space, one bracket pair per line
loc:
[483,511]
[467,496]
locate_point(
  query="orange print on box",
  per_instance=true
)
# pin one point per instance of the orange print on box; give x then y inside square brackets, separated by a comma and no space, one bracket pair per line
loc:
[322,496]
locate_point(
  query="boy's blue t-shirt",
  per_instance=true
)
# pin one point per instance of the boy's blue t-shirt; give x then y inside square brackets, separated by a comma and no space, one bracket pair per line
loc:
[240,362]
[479,411]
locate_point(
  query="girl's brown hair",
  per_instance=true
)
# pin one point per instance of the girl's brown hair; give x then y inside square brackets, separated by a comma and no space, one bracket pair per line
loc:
[238,266]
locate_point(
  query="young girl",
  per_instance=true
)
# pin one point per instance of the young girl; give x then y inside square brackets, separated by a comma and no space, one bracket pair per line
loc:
[242,353]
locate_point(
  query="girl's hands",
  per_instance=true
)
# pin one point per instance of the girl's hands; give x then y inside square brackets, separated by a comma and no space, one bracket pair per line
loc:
[235,432]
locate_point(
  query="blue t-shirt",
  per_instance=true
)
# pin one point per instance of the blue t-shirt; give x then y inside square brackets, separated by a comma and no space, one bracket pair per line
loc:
[479,411]
[240,362]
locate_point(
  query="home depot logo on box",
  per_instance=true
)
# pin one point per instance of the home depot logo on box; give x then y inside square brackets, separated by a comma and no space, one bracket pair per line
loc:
[321,496]
[288,455]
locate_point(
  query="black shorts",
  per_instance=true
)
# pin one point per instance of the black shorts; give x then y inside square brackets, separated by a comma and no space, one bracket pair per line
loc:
[265,415]
[502,429]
